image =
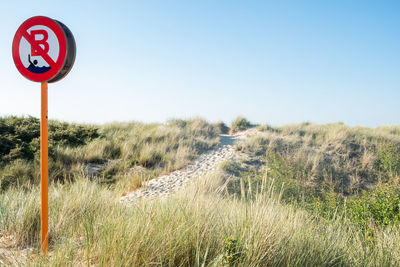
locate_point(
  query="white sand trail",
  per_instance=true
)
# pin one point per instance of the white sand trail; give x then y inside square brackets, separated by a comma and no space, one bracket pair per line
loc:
[206,163]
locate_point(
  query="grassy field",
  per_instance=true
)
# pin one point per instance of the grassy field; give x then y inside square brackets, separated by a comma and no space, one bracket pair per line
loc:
[334,157]
[331,171]
[200,226]
[296,200]
[126,154]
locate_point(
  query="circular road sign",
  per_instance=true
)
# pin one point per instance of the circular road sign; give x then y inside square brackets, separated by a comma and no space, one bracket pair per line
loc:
[43,49]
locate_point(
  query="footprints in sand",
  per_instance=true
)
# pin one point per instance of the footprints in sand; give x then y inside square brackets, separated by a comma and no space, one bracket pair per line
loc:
[206,163]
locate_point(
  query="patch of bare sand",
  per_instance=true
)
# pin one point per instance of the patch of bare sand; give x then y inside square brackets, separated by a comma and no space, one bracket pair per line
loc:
[12,255]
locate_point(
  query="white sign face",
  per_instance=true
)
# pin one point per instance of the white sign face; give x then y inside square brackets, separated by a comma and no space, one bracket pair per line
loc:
[47,40]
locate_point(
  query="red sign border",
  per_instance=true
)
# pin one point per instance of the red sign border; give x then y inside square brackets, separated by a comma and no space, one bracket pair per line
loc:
[63,48]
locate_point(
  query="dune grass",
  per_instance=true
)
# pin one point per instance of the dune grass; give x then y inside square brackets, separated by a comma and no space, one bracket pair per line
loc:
[331,156]
[330,170]
[198,227]
[125,154]
[223,219]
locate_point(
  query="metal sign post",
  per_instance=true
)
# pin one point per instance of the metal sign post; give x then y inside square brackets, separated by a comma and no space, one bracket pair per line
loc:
[44,171]
[44,51]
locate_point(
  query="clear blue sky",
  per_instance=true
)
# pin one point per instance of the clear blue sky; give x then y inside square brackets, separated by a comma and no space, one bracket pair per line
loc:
[273,62]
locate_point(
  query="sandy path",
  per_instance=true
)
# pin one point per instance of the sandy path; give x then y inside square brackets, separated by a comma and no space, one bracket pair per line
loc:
[10,254]
[206,163]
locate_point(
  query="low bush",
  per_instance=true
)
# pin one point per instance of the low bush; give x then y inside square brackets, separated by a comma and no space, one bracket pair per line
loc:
[240,124]
[380,207]
[20,137]
[389,158]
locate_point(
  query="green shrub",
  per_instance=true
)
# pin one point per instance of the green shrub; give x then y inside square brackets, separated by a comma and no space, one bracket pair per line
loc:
[20,137]
[240,124]
[377,208]
[389,159]
[231,251]
[328,205]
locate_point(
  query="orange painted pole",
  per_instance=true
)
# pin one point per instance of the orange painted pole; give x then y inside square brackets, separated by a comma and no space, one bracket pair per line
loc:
[44,171]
